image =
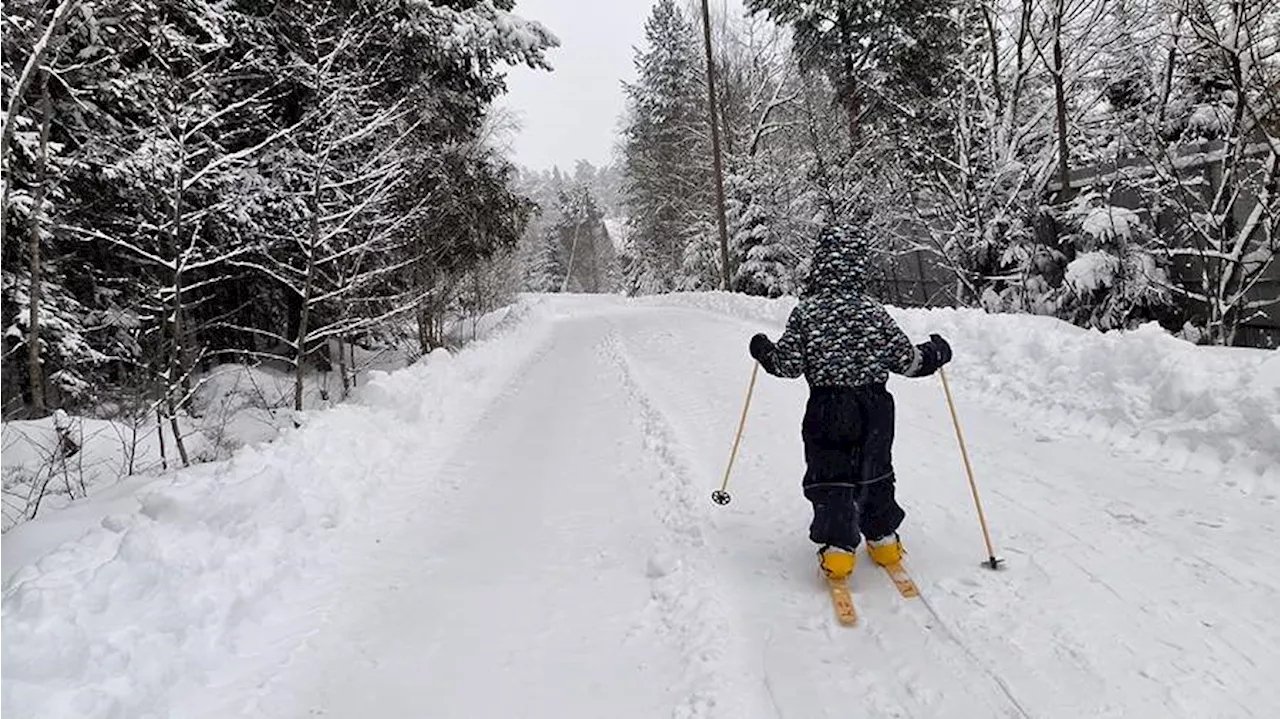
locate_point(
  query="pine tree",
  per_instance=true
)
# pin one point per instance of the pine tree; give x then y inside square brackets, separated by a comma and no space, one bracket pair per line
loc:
[545,273]
[869,50]
[579,235]
[700,262]
[763,264]
[667,184]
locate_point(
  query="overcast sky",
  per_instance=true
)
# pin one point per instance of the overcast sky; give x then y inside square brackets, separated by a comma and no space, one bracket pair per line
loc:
[573,112]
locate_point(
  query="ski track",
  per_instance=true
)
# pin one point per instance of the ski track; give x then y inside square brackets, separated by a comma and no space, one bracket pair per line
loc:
[692,609]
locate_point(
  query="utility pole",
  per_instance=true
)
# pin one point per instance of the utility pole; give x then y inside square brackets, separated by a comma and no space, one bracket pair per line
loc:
[715,148]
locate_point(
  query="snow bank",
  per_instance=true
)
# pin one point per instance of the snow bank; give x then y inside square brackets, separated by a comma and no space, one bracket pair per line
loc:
[472,329]
[1214,408]
[62,458]
[50,462]
[175,597]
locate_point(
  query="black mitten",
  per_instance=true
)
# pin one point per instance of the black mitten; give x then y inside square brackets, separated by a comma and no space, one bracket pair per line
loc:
[761,347]
[933,354]
[941,348]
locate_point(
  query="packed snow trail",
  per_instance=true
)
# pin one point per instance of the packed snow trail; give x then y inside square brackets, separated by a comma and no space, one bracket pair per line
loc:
[521,583]
[525,530]
[573,566]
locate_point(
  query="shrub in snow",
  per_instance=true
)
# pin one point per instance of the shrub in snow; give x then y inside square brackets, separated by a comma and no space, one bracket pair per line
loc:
[1116,279]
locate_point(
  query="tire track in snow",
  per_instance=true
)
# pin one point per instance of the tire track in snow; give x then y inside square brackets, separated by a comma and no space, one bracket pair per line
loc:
[691,608]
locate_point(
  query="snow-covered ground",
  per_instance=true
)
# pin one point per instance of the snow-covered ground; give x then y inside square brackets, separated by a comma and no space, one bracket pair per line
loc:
[232,406]
[523,529]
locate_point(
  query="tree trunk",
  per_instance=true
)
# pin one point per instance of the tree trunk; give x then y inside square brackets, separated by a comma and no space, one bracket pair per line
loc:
[1010,117]
[994,40]
[479,310]
[342,368]
[300,350]
[34,64]
[164,453]
[924,289]
[351,351]
[1060,98]
[35,369]
[420,282]
[176,347]
[1166,86]
[848,96]
[715,150]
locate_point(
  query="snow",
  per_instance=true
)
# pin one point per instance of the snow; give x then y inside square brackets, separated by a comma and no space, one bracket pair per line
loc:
[106,452]
[523,529]
[486,30]
[182,595]
[1111,222]
[1092,271]
[232,406]
[617,229]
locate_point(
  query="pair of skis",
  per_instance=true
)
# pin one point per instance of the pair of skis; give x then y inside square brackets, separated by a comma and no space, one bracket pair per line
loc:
[842,598]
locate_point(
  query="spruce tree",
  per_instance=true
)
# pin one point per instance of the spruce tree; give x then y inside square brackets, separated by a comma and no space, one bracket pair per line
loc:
[762,263]
[667,184]
[578,237]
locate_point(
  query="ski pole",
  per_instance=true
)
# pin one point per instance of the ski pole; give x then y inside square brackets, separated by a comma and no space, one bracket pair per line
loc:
[992,562]
[721,496]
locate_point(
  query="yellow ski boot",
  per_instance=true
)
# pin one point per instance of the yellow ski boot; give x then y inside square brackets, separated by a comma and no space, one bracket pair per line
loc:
[836,562]
[886,551]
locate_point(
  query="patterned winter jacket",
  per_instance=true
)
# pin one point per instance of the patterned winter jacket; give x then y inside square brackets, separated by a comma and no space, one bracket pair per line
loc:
[838,336]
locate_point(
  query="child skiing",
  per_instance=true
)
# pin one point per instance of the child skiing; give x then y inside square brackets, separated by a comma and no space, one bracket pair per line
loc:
[846,344]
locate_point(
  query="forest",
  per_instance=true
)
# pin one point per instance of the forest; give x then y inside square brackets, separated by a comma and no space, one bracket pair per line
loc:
[1108,162]
[199,182]
[283,184]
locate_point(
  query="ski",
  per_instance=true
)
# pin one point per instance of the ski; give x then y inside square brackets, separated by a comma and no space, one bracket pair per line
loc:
[902,580]
[842,599]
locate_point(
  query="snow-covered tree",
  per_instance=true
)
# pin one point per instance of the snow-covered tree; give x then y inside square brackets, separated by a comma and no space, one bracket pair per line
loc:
[175,160]
[879,57]
[764,263]
[667,186]
[581,239]
[1217,201]
[544,273]
[1116,278]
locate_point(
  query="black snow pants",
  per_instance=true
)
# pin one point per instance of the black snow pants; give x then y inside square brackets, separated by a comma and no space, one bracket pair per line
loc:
[848,448]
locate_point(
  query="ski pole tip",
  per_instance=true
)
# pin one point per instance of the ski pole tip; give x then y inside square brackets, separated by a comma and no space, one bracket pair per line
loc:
[993,563]
[720,497]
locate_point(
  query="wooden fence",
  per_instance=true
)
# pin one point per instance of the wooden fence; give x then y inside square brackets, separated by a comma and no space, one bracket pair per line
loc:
[1201,161]
[914,279]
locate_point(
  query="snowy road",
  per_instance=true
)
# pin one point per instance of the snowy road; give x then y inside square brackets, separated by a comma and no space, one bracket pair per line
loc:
[565,562]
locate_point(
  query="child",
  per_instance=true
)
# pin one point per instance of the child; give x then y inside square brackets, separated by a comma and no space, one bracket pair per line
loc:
[845,344]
